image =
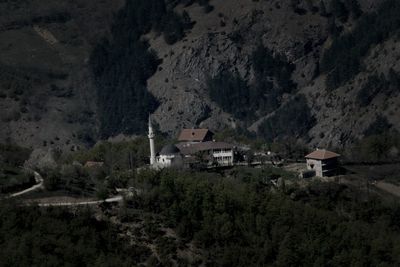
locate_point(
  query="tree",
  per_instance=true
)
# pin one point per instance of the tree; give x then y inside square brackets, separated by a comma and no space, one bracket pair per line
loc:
[102,192]
[322,8]
[339,10]
[354,8]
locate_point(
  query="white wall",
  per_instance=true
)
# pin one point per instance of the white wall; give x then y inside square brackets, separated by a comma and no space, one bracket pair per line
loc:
[166,161]
[316,165]
[224,157]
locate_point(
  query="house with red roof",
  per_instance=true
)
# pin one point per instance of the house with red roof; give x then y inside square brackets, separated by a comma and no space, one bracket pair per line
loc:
[323,162]
[195,135]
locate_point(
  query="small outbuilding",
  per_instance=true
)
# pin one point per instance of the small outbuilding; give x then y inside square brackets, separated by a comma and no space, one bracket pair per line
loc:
[323,162]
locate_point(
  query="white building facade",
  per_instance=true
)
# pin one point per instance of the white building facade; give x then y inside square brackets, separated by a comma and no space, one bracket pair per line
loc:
[223,156]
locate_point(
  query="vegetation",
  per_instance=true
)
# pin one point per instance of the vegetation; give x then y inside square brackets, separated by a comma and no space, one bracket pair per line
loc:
[232,94]
[236,218]
[117,160]
[294,119]
[273,78]
[379,126]
[247,102]
[174,26]
[31,236]
[380,147]
[115,155]
[380,144]
[12,176]
[14,179]
[342,61]
[378,84]
[74,179]
[339,10]
[122,64]
[238,221]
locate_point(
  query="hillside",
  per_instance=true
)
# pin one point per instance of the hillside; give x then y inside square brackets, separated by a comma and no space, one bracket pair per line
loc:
[46,90]
[76,72]
[209,49]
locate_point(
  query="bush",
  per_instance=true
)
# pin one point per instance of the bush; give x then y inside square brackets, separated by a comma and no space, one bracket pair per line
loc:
[239,221]
[294,119]
[102,192]
[247,102]
[231,93]
[339,10]
[13,155]
[342,60]
[66,239]
[52,180]
[208,8]
[377,148]
[122,64]
[379,126]
[376,84]
[174,26]
[14,179]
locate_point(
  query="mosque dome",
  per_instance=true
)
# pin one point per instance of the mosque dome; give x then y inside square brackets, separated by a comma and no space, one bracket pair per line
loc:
[169,150]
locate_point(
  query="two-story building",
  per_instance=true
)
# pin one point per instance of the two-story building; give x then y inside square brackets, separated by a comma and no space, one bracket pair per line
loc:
[218,154]
[323,162]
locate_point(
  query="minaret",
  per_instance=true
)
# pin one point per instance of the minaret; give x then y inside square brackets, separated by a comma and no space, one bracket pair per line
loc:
[152,148]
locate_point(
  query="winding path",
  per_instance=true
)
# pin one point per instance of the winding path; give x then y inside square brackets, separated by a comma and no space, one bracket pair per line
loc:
[39,181]
[389,187]
[82,203]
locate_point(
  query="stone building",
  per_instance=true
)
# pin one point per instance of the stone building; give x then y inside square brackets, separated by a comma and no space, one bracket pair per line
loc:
[323,162]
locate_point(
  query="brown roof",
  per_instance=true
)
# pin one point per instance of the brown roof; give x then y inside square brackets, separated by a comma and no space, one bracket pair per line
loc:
[189,149]
[193,135]
[322,154]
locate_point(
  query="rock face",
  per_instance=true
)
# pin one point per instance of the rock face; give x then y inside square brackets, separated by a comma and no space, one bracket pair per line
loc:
[46,54]
[225,38]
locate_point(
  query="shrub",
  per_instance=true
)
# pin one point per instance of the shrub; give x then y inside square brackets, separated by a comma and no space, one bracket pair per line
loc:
[379,126]
[122,64]
[342,60]
[247,102]
[294,119]
[371,89]
[231,93]
[102,192]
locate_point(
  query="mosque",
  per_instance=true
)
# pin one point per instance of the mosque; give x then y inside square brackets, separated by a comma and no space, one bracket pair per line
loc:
[195,148]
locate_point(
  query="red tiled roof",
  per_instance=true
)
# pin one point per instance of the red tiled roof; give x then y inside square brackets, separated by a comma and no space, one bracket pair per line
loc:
[322,154]
[193,135]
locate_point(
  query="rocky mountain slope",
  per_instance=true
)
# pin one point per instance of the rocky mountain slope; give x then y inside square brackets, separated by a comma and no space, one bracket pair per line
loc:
[46,90]
[209,49]
[51,97]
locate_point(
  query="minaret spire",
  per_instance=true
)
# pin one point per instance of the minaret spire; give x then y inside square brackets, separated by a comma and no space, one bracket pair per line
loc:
[151,140]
